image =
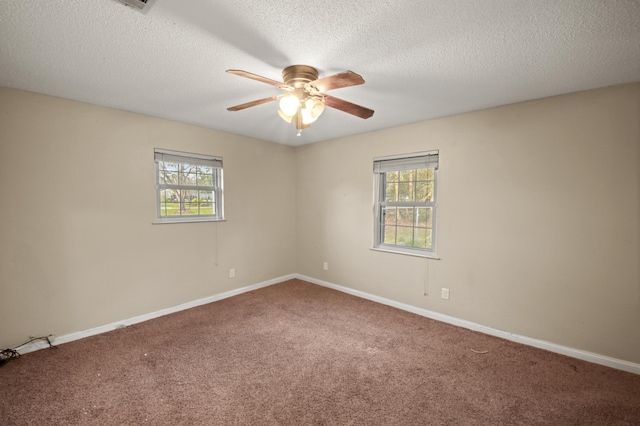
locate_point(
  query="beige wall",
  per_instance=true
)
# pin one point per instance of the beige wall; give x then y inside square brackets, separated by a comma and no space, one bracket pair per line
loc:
[78,249]
[538,218]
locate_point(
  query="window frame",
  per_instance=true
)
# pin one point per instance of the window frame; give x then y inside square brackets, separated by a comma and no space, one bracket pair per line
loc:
[380,203]
[192,159]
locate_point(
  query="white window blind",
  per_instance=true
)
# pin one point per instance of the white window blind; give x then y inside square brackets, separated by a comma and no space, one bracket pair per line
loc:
[184,158]
[427,161]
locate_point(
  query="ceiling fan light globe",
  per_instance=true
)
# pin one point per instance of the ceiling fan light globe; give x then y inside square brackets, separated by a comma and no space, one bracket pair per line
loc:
[316,106]
[289,105]
[285,117]
[307,116]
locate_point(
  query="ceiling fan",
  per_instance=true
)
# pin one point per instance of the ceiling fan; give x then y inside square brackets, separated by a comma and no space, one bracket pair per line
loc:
[304,96]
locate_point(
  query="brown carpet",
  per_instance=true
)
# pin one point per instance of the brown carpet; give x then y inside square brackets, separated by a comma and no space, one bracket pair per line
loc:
[300,354]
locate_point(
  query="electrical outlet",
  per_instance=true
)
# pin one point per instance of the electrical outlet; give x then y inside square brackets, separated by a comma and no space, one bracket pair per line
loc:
[445,294]
[325,266]
[232,272]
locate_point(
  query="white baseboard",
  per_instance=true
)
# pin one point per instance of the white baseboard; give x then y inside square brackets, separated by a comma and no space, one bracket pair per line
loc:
[145,317]
[552,347]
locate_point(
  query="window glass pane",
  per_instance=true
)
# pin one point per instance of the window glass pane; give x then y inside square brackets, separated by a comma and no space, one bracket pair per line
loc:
[425,174]
[181,177]
[169,172]
[420,238]
[405,216]
[168,203]
[189,203]
[178,197]
[171,177]
[392,176]
[205,207]
[391,192]
[205,196]
[405,236]
[205,202]
[172,167]
[424,191]
[407,175]
[421,192]
[204,179]
[429,239]
[389,214]
[405,191]
[389,235]
[187,177]
[423,218]
[178,203]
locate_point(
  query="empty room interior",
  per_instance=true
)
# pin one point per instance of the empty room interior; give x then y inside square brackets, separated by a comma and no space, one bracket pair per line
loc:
[450,235]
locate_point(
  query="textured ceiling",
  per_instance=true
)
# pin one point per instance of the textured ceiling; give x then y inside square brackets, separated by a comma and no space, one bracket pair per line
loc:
[421,59]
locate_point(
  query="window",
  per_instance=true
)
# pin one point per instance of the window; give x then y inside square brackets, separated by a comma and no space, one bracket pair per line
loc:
[405,203]
[188,187]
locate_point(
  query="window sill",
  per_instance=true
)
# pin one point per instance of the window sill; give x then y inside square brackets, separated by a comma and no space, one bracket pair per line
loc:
[187,220]
[406,252]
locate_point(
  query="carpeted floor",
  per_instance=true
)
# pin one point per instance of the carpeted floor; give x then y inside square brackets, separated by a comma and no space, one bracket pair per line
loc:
[300,354]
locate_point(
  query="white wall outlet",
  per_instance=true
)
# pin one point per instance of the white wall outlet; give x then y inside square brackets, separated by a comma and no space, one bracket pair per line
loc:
[232,272]
[445,293]
[325,266]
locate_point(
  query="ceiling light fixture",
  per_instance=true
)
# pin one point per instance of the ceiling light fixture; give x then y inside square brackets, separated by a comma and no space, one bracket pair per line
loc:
[303,100]
[302,107]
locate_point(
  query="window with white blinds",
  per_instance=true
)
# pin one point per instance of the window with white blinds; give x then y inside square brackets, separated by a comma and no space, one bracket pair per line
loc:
[405,203]
[188,187]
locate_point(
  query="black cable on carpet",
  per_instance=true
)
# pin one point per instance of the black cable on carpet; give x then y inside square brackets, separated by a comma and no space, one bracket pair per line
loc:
[7,355]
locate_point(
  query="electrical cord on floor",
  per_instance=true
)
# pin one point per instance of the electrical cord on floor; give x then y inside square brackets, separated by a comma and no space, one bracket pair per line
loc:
[7,355]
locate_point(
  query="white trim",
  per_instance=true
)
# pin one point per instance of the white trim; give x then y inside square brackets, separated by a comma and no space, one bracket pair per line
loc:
[406,251]
[145,317]
[183,219]
[618,364]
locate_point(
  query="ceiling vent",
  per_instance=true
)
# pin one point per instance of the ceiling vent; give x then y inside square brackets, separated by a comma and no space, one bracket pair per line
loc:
[138,4]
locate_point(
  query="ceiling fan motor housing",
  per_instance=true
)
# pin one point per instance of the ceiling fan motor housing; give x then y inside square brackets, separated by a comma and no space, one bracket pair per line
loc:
[299,75]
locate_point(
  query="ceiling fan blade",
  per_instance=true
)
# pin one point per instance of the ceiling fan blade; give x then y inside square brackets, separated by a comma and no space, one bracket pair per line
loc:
[257,77]
[252,103]
[336,81]
[348,107]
